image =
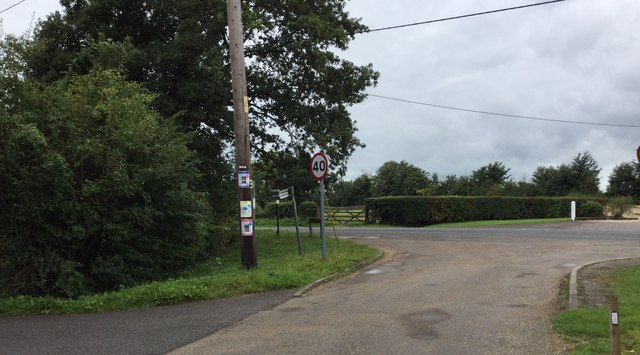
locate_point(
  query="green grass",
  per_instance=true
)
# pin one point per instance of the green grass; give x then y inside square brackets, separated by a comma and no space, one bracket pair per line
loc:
[279,267]
[588,329]
[499,222]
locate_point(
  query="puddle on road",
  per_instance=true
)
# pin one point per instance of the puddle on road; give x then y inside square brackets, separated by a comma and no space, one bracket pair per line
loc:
[519,305]
[381,269]
[421,325]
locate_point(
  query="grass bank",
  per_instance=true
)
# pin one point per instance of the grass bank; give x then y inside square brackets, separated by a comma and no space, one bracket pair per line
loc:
[500,223]
[279,267]
[588,328]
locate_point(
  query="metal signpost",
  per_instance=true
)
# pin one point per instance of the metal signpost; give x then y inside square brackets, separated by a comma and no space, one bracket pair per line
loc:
[295,217]
[319,168]
[275,194]
[281,195]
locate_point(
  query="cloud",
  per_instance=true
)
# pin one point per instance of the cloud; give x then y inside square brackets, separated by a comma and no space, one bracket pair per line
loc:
[575,60]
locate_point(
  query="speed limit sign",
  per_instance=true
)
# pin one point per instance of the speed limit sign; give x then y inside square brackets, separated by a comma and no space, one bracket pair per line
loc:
[319,166]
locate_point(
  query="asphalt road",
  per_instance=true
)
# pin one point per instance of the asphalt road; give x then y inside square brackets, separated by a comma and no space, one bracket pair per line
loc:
[143,331]
[438,291]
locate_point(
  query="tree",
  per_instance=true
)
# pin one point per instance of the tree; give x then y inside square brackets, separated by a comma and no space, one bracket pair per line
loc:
[489,179]
[399,179]
[298,86]
[351,193]
[625,180]
[96,189]
[545,180]
[280,170]
[578,177]
[585,174]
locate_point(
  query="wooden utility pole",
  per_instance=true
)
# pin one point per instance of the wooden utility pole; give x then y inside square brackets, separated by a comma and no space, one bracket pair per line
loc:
[248,253]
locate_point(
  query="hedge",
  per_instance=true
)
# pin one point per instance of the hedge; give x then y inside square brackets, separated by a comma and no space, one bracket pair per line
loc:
[305,209]
[428,210]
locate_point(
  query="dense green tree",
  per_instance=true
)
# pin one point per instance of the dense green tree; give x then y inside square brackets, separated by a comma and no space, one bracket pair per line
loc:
[281,170]
[545,181]
[489,179]
[298,86]
[585,174]
[96,190]
[625,180]
[351,193]
[581,176]
[399,179]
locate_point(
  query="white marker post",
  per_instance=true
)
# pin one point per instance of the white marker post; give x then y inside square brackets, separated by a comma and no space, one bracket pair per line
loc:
[573,210]
[319,168]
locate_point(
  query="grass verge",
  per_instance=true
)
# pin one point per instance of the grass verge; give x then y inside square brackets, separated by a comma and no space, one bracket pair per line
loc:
[588,328]
[499,222]
[279,267]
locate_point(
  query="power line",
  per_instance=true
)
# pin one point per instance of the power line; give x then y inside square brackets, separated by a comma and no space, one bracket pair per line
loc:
[462,16]
[12,6]
[505,114]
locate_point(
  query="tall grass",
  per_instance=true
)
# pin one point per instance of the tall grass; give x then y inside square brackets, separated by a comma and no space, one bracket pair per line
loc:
[279,267]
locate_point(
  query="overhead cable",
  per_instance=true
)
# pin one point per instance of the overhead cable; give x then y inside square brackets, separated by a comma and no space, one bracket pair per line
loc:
[461,16]
[12,6]
[506,114]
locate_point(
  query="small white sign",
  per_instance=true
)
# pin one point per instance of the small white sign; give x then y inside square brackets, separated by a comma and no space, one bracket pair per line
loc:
[245,209]
[244,179]
[614,318]
[246,226]
[284,194]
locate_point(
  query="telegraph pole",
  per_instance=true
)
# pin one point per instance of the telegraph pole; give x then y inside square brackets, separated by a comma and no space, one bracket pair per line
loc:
[248,253]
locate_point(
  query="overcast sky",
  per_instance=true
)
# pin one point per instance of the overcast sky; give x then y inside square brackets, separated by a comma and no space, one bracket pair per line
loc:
[577,60]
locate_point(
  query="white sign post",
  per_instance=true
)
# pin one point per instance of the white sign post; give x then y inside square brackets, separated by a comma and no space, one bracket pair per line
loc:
[319,168]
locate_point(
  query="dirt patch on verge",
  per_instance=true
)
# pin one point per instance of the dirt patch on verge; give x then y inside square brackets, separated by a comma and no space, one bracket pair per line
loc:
[594,282]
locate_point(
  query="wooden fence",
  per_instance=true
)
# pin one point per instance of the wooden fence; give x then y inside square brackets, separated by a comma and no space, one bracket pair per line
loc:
[345,215]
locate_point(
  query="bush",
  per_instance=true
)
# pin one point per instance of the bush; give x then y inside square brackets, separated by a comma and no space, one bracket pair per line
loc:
[590,209]
[427,210]
[305,209]
[96,190]
[309,209]
[285,208]
[618,206]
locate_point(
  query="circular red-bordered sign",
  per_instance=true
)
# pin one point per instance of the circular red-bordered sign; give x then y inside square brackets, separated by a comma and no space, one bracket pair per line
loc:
[319,166]
[638,153]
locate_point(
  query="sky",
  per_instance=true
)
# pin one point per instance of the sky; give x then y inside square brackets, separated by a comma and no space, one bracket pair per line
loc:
[577,60]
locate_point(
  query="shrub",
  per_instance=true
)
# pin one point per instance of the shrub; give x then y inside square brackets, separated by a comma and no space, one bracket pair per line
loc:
[308,209]
[305,209]
[96,191]
[285,208]
[618,206]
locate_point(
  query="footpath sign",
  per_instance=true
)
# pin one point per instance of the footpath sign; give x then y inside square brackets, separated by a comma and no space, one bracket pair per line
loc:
[319,168]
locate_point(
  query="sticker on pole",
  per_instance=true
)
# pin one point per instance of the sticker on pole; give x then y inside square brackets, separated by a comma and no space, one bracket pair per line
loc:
[319,166]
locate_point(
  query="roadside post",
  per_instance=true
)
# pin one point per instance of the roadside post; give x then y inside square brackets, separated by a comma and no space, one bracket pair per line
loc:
[614,325]
[275,194]
[573,210]
[281,195]
[319,168]
[295,218]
